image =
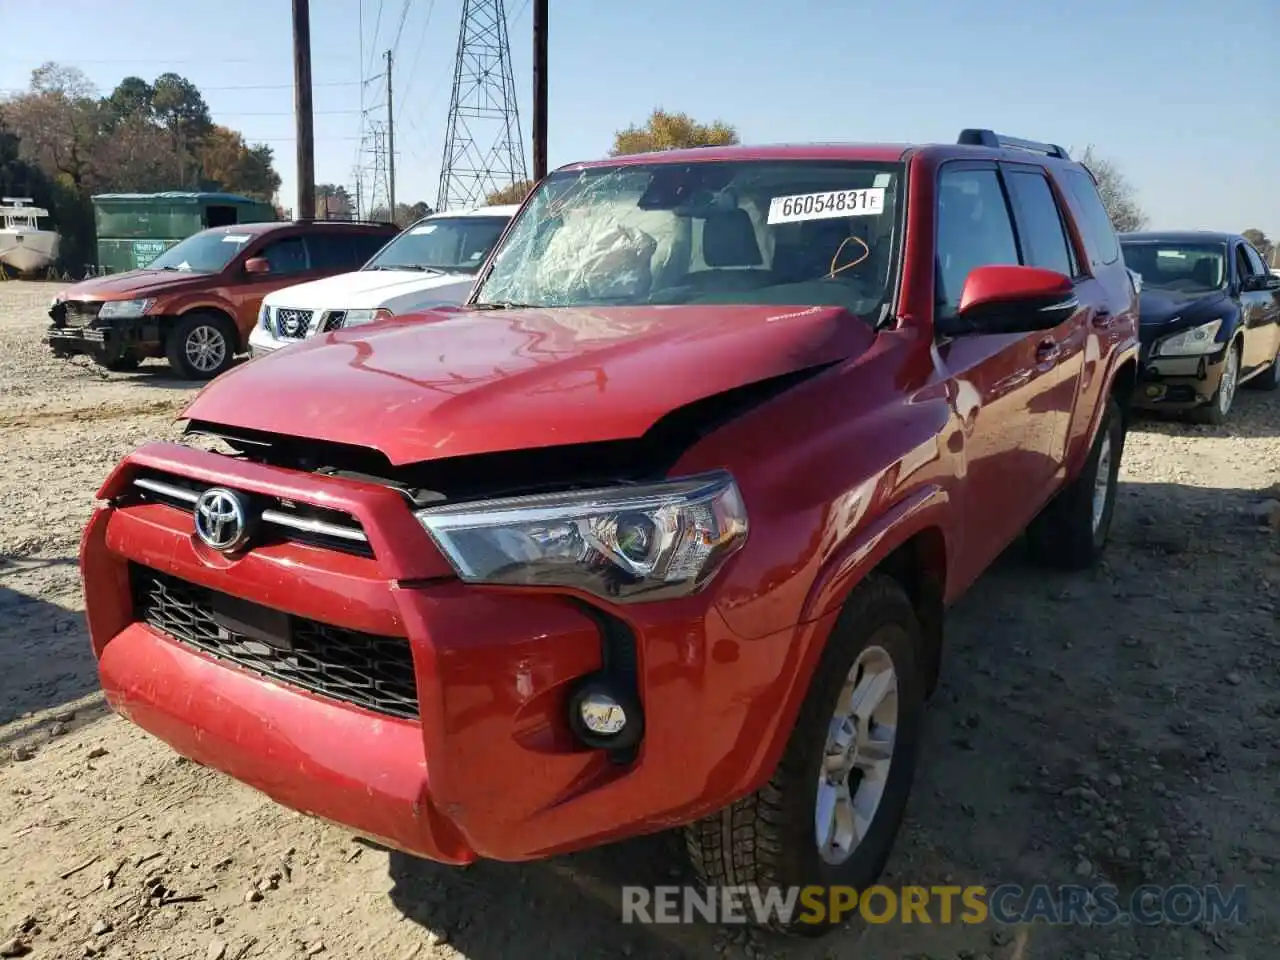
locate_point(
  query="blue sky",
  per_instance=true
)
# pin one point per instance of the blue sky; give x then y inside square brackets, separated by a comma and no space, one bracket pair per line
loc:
[1180,94]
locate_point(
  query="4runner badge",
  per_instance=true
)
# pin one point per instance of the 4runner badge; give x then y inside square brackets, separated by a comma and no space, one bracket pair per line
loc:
[222,519]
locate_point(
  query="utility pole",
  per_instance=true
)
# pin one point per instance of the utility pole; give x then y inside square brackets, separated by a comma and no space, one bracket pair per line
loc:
[302,109]
[391,147]
[539,89]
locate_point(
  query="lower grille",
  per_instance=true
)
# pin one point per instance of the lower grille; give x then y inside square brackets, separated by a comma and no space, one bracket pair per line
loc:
[292,324]
[373,672]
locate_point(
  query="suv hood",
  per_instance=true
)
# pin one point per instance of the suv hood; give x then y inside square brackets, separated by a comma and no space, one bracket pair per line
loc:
[362,289]
[133,283]
[480,382]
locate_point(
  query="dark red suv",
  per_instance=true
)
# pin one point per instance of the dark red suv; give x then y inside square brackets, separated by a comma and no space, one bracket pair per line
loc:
[657,529]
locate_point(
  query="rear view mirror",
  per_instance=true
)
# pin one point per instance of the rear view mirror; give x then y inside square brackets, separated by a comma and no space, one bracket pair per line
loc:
[257,265]
[1012,299]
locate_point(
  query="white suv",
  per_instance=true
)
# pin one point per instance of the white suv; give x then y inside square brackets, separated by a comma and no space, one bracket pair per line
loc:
[431,263]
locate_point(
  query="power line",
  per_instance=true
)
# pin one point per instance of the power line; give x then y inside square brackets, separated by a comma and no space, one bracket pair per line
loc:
[422,41]
[404,15]
[373,41]
[284,86]
[279,113]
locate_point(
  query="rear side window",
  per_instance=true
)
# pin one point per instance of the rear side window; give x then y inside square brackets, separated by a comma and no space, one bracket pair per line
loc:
[1044,242]
[974,230]
[1099,234]
[336,251]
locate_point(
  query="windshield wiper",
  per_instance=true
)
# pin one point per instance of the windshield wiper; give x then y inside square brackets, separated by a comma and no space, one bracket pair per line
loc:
[503,305]
[406,266]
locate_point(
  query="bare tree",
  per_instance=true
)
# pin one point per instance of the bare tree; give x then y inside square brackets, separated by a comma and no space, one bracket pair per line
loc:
[1118,194]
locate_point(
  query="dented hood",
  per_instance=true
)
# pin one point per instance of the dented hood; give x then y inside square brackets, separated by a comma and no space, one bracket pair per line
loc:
[469,382]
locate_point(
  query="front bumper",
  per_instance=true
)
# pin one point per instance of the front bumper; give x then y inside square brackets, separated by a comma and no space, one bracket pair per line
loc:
[1177,383]
[107,340]
[490,767]
[262,341]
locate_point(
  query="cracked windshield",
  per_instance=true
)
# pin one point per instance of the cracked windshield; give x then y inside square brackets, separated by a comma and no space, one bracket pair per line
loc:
[444,244]
[753,232]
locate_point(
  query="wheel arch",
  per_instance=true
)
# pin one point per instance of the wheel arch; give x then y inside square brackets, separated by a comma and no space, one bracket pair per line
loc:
[217,311]
[910,546]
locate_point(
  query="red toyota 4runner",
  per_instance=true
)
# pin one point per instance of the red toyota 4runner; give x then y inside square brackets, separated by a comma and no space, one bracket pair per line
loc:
[657,529]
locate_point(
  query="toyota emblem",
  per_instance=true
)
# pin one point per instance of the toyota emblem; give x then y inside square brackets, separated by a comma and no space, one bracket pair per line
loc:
[222,519]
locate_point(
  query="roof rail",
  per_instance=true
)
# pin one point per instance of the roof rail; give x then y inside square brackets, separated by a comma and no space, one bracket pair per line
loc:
[989,138]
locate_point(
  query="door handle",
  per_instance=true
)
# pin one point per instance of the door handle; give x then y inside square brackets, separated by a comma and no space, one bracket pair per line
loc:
[1047,352]
[1103,318]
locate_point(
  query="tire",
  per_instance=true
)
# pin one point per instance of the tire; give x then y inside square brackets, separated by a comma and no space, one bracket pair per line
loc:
[1071,532]
[1218,409]
[183,346]
[770,838]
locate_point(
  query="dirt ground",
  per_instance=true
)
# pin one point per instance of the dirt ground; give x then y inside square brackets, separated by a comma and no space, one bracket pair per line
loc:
[1113,727]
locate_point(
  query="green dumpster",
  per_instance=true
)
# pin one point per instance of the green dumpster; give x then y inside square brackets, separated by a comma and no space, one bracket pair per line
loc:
[135,228]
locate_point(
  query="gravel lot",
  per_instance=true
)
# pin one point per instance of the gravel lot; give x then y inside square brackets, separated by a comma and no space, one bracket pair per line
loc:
[1115,727]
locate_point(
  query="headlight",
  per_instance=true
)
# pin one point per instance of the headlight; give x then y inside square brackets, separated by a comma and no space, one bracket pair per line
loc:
[355,318]
[622,543]
[1191,342]
[264,317]
[125,309]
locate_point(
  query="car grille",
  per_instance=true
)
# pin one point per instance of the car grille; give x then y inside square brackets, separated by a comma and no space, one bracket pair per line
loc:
[333,320]
[292,324]
[369,671]
[281,519]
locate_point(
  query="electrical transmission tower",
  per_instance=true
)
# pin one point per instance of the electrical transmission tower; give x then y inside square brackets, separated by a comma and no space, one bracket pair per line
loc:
[483,149]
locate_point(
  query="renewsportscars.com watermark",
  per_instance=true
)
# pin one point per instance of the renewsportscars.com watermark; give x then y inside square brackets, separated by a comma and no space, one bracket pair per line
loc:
[1149,905]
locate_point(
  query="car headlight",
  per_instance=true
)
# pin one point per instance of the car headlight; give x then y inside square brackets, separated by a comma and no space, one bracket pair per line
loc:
[125,309]
[355,318]
[621,543]
[1191,342]
[264,317]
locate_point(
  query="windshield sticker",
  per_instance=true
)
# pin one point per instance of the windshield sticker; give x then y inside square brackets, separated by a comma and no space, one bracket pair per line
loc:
[425,228]
[823,206]
[234,238]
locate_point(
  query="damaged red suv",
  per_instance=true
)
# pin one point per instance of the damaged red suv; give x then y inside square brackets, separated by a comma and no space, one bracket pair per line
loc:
[656,530]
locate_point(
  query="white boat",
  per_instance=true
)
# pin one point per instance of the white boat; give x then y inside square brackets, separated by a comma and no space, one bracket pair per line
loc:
[24,247]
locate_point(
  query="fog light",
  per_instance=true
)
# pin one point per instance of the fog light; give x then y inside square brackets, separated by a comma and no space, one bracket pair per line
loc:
[602,715]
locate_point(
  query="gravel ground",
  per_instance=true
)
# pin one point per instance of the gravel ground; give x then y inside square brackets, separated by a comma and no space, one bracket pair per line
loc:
[1115,727]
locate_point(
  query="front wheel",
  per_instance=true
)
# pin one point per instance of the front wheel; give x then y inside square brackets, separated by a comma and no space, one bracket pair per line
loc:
[1072,531]
[832,809]
[201,346]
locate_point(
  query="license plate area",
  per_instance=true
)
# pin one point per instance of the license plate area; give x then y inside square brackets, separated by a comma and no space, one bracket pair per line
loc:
[251,621]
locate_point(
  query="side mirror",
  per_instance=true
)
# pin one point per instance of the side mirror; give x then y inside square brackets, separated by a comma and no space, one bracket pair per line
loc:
[1012,299]
[1258,284]
[257,265]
